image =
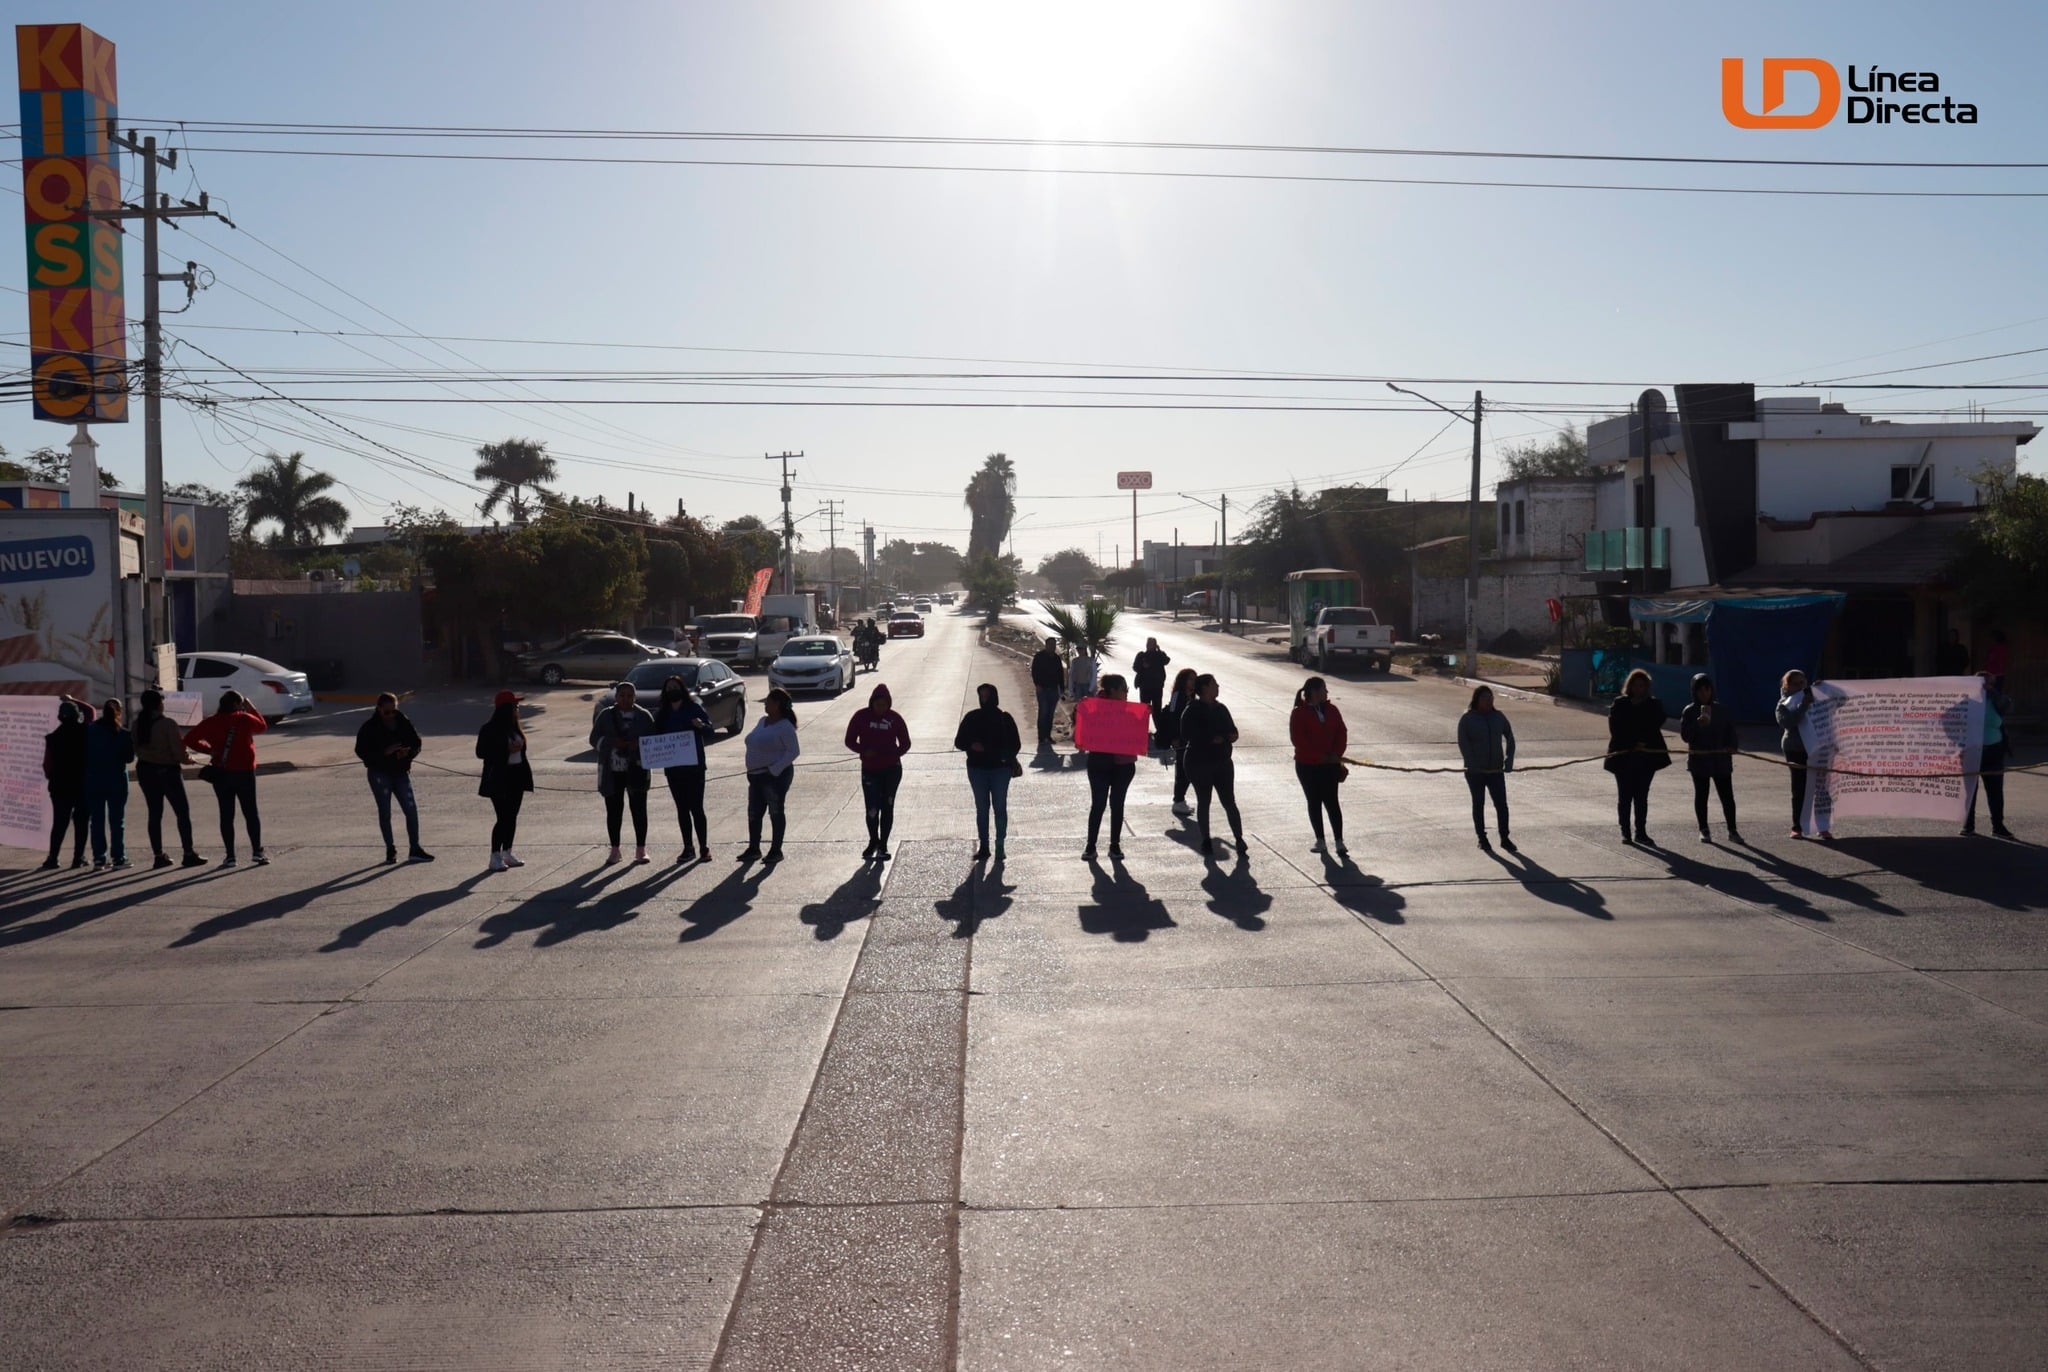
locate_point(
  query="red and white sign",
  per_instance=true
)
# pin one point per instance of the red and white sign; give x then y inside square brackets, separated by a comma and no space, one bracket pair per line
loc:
[1134,481]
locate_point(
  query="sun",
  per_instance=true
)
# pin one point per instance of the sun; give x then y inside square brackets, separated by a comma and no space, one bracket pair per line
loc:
[1066,64]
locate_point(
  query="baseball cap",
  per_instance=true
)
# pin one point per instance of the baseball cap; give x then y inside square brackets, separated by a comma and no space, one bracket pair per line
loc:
[507,698]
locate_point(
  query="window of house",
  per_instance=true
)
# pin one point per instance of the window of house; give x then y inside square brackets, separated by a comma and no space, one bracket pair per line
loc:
[1912,483]
[1504,518]
[1521,516]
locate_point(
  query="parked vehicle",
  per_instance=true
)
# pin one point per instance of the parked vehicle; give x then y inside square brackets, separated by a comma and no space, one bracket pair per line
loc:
[731,639]
[906,624]
[722,693]
[783,617]
[813,662]
[588,657]
[665,636]
[1311,592]
[275,691]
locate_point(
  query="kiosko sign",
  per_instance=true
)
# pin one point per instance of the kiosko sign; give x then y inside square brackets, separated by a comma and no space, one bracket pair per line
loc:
[78,328]
[1865,103]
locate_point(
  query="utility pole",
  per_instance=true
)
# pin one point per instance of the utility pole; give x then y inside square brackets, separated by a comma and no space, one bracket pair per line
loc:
[155,208]
[1175,592]
[1222,509]
[788,524]
[867,567]
[1476,419]
[831,508]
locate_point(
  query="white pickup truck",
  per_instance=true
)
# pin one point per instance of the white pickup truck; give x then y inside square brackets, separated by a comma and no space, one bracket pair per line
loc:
[1349,631]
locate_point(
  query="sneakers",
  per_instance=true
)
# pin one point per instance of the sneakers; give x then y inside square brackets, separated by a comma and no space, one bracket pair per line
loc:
[228,861]
[1116,852]
[497,862]
[419,855]
[390,855]
[1734,837]
[1508,844]
[1643,840]
[774,855]
[686,857]
[981,854]
[1706,837]
[867,854]
[1318,848]
[193,860]
[513,859]
[120,864]
[752,854]
[1798,832]
[160,861]
[260,858]
[1182,809]
[612,857]
[99,864]
[1342,851]
[50,864]
[881,853]
[2000,831]
[1088,853]
[1485,846]
[640,858]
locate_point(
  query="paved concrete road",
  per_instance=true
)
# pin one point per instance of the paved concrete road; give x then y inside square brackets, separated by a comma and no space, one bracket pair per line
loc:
[1592,1106]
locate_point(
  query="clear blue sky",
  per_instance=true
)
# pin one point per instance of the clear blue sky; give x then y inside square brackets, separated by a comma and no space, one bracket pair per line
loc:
[1547,285]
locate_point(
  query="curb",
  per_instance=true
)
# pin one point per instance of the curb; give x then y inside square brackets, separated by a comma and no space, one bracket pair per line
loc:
[1516,692]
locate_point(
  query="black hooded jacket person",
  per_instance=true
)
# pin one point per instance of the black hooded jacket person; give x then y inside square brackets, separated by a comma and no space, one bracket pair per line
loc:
[64,772]
[1708,729]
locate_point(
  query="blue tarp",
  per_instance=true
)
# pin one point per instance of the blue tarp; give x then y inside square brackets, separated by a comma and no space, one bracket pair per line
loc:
[1752,643]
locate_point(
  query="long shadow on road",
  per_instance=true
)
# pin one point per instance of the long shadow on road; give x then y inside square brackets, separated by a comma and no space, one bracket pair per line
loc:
[586,903]
[1123,908]
[401,914]
[982,895]
[1544,884]
[859,896]
[277,907]
[723,903]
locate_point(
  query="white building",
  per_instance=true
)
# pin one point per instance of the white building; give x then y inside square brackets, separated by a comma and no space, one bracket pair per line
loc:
[1736,491]
[1540,525]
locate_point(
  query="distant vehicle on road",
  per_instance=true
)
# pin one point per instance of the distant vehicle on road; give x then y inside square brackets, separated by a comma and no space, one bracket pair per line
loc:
[273,690]
[664,636]
[588,657]
[722,694]
[732,639]
[813,662]
[1326,623]
[906,624]
[923,605]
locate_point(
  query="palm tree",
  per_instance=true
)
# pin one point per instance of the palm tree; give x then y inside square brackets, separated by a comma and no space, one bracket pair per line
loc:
[512,467]
[1086,634]
[992,504]
[292,495]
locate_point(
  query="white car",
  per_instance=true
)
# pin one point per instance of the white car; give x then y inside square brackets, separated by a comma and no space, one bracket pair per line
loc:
[924,605]
[812,662]
[275,691]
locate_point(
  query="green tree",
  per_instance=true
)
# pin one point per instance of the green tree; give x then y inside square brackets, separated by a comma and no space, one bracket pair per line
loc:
[2002,557]
[50,466]
[1561,454]
[513,468]
[1088,632]
[991,581]
[1067,570]
[991,505]
[288,493]
[753,543]
[917,567]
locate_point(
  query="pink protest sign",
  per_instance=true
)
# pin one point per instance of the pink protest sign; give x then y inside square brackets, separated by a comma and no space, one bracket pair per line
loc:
[1102,725]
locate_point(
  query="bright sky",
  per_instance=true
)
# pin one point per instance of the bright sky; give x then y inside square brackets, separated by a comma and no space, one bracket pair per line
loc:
[1521,289]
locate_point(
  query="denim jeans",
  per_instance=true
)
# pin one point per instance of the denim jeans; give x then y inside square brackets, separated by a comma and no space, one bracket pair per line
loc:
[766,793]
[385,785]
[1048,706]
[991,786]
[108,810]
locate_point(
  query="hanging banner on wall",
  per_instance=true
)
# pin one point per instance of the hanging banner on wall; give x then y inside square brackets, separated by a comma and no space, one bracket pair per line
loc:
[1917,734]
[77,311]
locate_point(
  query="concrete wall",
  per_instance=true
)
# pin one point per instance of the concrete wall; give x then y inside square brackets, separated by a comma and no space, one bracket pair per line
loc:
[1800,477]
[1513,599]
[1555,515]
[376,636]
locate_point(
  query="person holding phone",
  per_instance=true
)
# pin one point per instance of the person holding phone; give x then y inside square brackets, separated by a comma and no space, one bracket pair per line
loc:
[1709,731]
[621,778]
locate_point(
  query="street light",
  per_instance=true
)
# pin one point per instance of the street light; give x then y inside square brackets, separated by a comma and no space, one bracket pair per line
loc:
[1475,419]
[1223,550]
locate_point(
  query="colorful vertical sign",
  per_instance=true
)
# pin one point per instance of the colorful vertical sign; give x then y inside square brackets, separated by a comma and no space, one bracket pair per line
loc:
[78,328]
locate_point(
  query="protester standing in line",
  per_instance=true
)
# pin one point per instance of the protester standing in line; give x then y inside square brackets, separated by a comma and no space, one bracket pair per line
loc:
[1795,698]
[681,712]
[1048,679]
[1709,731]
[772,751]
[507,776]
[1636,752]
[1996,658]
[1991,763]
[1081,676]
[1486,745]
[1207,733]
[160,759]
[620,776]
[1148,673]
[64,773]
[228,738]
[1109,779]
[1316,729]
[881,738]
[988,735]
[387,743]
[109,749]
[1177,702]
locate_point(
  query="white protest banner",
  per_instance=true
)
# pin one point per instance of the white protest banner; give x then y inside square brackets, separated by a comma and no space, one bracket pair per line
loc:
[182,708]
[24,798]
[668,750]
[1917,734]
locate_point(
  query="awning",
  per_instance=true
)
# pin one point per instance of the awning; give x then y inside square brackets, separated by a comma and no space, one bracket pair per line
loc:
[1697,608]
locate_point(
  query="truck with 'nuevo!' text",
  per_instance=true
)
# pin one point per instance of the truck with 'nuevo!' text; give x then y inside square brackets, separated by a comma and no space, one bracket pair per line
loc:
[1326,624]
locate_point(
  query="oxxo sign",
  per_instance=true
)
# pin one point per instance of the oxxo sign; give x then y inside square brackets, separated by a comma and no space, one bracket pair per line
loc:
[1134,481]
[77,319]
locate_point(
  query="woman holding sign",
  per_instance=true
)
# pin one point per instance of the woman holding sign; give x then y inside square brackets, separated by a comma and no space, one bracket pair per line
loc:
[1636,752]
[680,713]
[1109,777]
[1794,699]
[621,776]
